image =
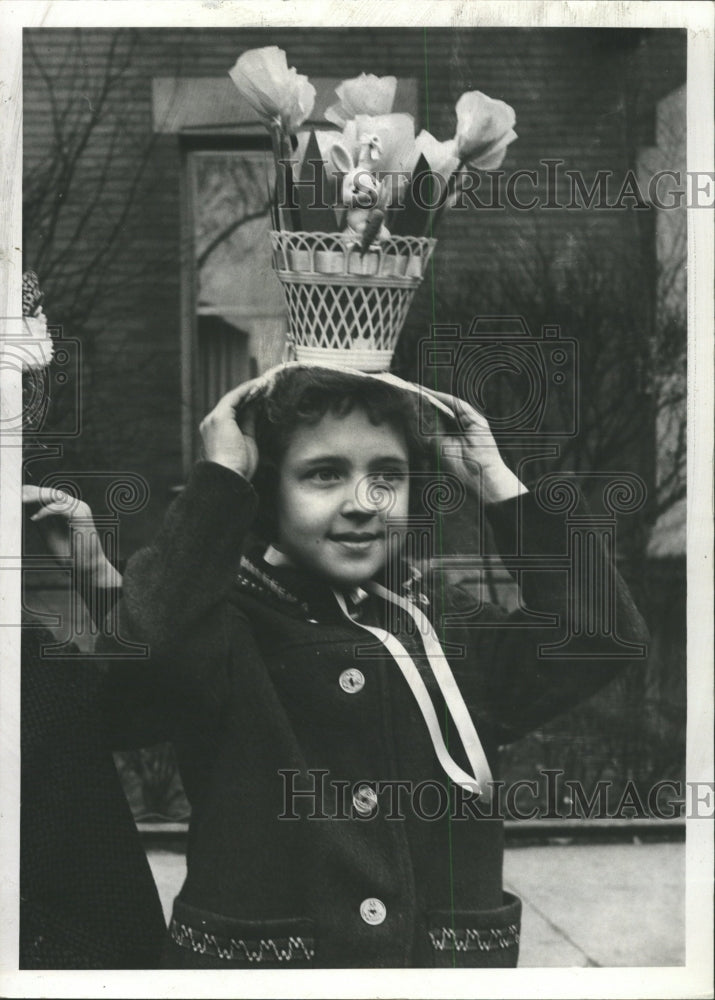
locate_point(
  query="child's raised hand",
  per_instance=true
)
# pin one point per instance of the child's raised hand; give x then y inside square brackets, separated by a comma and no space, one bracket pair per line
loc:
[69,532]
[473,456]
[224,441]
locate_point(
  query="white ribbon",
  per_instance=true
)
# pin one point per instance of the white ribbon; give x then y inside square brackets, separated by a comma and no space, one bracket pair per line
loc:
[480,781]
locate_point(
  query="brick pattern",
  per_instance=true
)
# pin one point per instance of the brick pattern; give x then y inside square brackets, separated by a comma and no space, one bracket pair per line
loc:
[584,96]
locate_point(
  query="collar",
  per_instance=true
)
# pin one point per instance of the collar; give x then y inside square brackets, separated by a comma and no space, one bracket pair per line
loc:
[274,557]
[267,570]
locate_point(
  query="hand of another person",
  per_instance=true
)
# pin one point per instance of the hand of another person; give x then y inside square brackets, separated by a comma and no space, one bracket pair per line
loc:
[473,455]
[224,441]
[68,529]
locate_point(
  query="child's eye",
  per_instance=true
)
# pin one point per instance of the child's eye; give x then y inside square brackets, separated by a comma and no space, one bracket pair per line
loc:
[326,475]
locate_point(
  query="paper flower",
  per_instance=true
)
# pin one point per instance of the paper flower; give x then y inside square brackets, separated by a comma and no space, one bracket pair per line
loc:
[279,94]
[366,94]
[395,140]
[485,127]
[36,345]
[375,165]
[441,156]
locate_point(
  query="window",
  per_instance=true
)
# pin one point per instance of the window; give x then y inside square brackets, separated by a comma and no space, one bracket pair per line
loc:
[236,322]
[233,313]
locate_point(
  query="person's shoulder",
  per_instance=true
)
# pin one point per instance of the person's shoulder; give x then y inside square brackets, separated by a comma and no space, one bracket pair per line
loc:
[465,601]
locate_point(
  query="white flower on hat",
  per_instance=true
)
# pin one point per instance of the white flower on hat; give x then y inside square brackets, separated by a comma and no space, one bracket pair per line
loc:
[366,94]
[441,156]
[485,127]
[37,347]
[277,93]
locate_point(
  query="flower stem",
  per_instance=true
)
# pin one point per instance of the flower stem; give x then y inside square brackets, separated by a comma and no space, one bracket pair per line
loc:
[282,158]
[435,214]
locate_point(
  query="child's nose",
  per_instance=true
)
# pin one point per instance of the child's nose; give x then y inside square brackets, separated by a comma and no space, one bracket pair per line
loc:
[368,496]
[356,504]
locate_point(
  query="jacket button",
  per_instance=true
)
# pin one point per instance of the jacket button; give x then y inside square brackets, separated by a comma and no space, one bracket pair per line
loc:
[352,680]
[373,911]
[365,800]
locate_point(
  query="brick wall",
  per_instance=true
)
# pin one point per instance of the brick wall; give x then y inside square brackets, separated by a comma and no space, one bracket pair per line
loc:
[586,97]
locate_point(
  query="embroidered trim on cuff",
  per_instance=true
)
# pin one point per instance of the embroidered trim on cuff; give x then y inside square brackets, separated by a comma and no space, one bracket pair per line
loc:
[289,949]
[471,939]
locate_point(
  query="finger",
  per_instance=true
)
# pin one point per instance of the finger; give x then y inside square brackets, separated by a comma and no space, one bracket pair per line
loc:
[444,396]
[68,507]
[49,510]
[247,423]
[443,399]
[50,495]
[226,406]
[247,390]
[468,413]
[454,401]
[30,493]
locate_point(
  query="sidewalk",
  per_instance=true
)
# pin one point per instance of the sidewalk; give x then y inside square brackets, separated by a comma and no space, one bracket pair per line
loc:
[620,904]
[600,904]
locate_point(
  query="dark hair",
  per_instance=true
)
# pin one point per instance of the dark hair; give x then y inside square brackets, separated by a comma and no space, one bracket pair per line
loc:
[303,396]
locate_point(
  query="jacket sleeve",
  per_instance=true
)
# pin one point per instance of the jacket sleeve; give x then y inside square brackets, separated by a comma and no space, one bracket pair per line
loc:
[523,668]
[173,614]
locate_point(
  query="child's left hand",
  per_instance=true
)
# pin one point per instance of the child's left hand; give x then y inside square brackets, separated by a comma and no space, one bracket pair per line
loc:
[473,455]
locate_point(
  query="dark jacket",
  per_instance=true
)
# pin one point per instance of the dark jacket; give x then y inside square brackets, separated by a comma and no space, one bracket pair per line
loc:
[87,897]
[248,666]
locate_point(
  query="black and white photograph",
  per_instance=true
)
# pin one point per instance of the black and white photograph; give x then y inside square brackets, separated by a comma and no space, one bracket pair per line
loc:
[357,470]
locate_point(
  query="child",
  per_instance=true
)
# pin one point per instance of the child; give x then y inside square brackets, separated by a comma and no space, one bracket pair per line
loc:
[308,734]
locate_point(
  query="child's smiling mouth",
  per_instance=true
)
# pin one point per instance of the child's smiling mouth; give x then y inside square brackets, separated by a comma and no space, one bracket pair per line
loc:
[355,541]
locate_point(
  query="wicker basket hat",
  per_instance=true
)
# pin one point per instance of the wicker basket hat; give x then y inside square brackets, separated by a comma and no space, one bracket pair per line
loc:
[345,308]
[350,270]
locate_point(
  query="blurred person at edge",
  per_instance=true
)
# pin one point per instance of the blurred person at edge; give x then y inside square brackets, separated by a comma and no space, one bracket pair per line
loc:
[87,896]
[287,640]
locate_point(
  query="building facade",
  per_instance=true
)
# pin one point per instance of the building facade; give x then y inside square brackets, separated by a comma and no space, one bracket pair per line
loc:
[147,185]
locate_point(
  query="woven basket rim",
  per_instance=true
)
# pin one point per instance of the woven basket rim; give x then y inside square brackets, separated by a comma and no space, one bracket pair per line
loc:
[340,238]
[331,259]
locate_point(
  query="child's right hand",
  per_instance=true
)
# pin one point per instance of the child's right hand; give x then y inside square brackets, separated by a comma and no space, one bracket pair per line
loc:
[224,441]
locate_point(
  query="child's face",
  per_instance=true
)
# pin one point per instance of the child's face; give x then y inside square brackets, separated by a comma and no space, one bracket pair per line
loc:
[338,480]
